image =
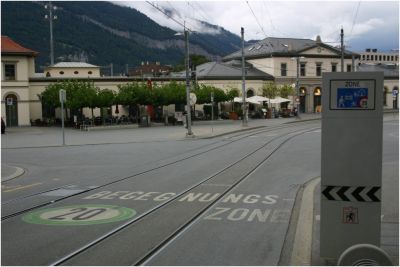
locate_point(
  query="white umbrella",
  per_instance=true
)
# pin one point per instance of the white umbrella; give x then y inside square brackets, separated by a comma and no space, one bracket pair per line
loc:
[279,99]
[258,98]
[248,100]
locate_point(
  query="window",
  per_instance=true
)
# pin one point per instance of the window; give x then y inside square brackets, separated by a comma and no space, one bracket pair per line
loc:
[318,69]
[90,72]
[367,57]
[302,69]
[334,67]
[391,58]
[61,72]
[76,72]
[380,57]
[384,58]
[283,69]
[9,72]
[348,67]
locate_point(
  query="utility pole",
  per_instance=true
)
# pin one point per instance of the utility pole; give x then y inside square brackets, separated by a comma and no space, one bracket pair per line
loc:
[188,113]
[51,18]
[244,120]
[342,50]
[297,87]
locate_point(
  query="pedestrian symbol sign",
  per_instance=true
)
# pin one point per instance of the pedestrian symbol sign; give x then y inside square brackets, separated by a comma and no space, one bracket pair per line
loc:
[350,215]
[352,98]
[352,94]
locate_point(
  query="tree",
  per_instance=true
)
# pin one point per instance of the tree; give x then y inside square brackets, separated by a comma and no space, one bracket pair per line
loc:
[105,98]
[80,94]
[286,90]
[134,94]
[270,90]
[231,94]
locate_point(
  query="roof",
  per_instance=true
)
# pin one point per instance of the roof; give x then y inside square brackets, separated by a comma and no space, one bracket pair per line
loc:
[273,46]
[226,71]
[8,46]
[73,65]
[389,70]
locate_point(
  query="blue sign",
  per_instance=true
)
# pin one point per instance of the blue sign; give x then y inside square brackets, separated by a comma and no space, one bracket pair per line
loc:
[352,98]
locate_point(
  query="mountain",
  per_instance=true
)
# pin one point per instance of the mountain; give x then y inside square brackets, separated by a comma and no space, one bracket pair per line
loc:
[102,33]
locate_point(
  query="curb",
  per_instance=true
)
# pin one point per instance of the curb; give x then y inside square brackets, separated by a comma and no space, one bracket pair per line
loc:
[302,244]
[18,172]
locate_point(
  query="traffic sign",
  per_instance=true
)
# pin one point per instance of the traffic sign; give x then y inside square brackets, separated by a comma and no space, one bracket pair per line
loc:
[63,96]
[193,98]
[351,171]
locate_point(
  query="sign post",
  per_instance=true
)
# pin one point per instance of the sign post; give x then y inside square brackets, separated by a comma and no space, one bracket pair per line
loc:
[351,161]
[63,97]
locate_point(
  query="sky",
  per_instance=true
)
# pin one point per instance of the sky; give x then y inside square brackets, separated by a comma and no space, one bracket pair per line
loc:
[366,24]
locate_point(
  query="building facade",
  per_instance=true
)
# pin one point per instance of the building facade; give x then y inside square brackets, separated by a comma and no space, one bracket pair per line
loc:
[373,56]
[298,62]
[301,61]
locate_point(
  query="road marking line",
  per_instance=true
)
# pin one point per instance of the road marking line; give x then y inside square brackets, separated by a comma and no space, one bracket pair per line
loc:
[218,184]
[22,187]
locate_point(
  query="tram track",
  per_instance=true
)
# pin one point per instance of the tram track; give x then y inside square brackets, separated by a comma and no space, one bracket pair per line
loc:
[232,139]
[75,257]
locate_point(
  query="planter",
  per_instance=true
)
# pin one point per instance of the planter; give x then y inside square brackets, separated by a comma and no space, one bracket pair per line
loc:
[233,115]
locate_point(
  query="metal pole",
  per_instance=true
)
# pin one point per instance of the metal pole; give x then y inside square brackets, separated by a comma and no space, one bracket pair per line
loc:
[62,99]
[111,69]
[297,86]
[212,112]
[244,120]
[188,113]
[51,33]
[342,50]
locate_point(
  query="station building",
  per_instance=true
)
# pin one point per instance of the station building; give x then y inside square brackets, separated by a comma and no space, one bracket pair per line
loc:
[272,59]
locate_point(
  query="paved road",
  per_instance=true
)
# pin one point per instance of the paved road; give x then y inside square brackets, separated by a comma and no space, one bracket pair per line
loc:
[220,201]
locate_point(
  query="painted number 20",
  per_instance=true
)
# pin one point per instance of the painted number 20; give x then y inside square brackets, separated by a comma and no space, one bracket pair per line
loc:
[80,214]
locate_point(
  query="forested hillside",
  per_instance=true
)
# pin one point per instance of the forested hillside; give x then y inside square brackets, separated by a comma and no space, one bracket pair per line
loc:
[102,33]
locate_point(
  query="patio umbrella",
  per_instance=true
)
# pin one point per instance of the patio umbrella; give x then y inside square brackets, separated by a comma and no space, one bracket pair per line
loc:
[258,98]
[279,99]
[248,100]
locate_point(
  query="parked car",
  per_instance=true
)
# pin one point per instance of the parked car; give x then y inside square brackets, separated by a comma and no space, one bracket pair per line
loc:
[3,126]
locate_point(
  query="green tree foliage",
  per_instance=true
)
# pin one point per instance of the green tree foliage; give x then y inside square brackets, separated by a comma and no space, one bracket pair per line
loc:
[270,90]
[175,93]
[286,90]
[203,94]
[232,93]
[79,94]
[134,93]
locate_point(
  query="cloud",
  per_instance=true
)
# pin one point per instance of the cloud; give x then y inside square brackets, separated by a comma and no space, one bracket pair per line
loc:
[296,19]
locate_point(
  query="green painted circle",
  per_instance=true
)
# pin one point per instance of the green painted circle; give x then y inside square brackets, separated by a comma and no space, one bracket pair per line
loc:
[68,215]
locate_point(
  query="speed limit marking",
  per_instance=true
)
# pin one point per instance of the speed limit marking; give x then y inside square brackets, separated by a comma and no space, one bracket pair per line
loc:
[79,215]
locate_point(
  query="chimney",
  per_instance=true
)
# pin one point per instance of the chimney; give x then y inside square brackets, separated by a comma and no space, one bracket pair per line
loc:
[368,50]
[374,50]
[318,40]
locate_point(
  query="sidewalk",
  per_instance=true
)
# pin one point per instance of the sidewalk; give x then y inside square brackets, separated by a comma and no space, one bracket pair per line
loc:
[24,137]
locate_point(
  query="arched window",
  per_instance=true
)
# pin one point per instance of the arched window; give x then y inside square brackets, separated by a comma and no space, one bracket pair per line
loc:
[250,92]
[90,72]
[48,74]
[76,72]
[317,100]
[61,72]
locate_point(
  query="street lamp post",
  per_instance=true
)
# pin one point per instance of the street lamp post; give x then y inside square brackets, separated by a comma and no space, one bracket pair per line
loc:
[50,7]
[188,111]
[244,106]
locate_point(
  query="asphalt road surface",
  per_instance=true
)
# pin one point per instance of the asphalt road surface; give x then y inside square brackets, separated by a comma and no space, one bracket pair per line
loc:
[221,201]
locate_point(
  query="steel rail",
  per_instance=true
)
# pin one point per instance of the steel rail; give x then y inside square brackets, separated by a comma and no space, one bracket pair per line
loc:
[247,134]
[150,211]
